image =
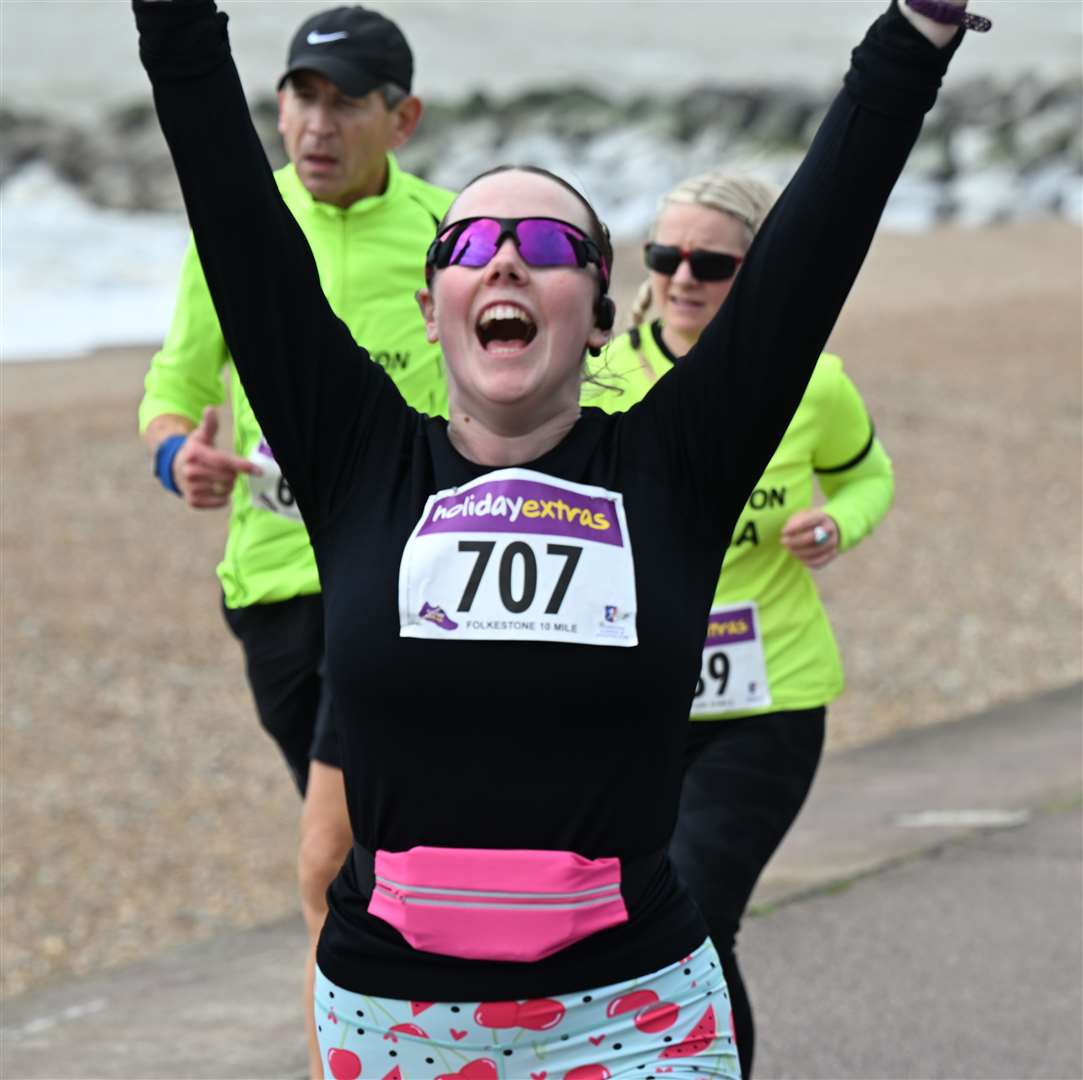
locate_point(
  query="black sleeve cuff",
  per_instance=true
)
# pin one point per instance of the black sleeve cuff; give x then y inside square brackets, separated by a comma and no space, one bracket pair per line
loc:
[180,39]
[896,70]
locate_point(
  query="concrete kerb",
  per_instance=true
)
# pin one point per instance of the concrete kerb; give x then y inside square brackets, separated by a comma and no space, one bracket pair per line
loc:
[915,792]
[213,1010]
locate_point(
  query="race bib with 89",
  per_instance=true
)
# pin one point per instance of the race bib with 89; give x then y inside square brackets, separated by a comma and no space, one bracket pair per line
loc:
[520,556]
[733,676]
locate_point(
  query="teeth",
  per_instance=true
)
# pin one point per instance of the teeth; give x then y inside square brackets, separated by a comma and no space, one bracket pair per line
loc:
[504,311]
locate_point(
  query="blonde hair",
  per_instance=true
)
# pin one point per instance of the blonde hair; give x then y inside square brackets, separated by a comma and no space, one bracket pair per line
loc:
[742,197]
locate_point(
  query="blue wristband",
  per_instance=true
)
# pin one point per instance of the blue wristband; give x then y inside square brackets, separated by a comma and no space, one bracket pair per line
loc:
[163,461]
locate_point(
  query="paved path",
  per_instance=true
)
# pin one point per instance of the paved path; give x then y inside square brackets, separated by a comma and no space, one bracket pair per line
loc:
[963,963]
[923,920]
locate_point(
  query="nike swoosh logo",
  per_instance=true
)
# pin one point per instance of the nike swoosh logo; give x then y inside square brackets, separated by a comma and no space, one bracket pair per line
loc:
[316,38]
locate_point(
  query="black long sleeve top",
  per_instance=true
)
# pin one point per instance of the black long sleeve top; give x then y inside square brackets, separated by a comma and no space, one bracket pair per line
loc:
[506,744]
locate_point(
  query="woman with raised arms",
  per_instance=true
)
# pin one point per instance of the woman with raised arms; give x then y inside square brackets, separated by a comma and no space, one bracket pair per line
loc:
[514,680]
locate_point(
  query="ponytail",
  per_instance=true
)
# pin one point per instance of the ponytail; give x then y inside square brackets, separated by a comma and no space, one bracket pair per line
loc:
[641,305]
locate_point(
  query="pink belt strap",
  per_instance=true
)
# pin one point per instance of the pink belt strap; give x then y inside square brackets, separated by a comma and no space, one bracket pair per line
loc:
[489,904]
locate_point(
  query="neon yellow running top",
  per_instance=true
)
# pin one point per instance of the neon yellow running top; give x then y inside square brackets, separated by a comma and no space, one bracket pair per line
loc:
[831,437]
[371,260]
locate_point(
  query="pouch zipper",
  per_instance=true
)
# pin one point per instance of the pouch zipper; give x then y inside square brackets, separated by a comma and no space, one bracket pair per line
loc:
[472,898]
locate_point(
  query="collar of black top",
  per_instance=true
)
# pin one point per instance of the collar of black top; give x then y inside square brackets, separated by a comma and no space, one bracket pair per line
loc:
[356,48]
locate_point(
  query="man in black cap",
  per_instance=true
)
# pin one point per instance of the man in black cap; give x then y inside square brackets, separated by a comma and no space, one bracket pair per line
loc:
[345,104]
[356,65]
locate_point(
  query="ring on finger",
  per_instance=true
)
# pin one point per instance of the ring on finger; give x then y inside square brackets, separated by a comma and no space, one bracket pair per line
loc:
[820,536]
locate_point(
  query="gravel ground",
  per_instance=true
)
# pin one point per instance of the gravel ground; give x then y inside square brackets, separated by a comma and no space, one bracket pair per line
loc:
[142,805]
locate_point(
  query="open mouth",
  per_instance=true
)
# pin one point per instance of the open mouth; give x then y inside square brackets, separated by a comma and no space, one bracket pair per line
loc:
[684,301]
[505,328]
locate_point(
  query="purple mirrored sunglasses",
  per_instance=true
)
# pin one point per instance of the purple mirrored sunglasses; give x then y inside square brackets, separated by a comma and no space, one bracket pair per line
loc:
[541,242]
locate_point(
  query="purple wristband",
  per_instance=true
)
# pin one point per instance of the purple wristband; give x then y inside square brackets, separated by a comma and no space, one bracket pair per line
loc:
[942,12]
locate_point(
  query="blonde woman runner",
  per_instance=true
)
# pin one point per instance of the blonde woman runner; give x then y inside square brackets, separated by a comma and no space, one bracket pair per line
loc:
[770,664]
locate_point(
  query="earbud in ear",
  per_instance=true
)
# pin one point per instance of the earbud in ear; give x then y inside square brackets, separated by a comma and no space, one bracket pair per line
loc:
[605,313]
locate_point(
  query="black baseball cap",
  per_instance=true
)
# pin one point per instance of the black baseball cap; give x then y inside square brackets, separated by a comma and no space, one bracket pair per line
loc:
[356,48]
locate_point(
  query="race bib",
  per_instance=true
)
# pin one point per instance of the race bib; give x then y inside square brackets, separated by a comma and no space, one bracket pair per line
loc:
[270,491]
[732,674]
[520,556]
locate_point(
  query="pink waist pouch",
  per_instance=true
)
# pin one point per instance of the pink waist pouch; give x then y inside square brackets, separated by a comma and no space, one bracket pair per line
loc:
[483,904]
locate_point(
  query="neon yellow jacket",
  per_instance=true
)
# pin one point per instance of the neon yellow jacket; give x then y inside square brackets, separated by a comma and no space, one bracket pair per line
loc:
[831,437]
[371,260]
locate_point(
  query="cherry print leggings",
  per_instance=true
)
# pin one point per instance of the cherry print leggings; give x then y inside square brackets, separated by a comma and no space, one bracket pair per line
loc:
[673,1023]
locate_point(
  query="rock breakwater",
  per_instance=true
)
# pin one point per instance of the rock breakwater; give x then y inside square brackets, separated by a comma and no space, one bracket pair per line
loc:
[990,152]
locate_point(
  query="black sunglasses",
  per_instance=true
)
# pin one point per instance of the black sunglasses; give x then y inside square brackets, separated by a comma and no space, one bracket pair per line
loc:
[705,265]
